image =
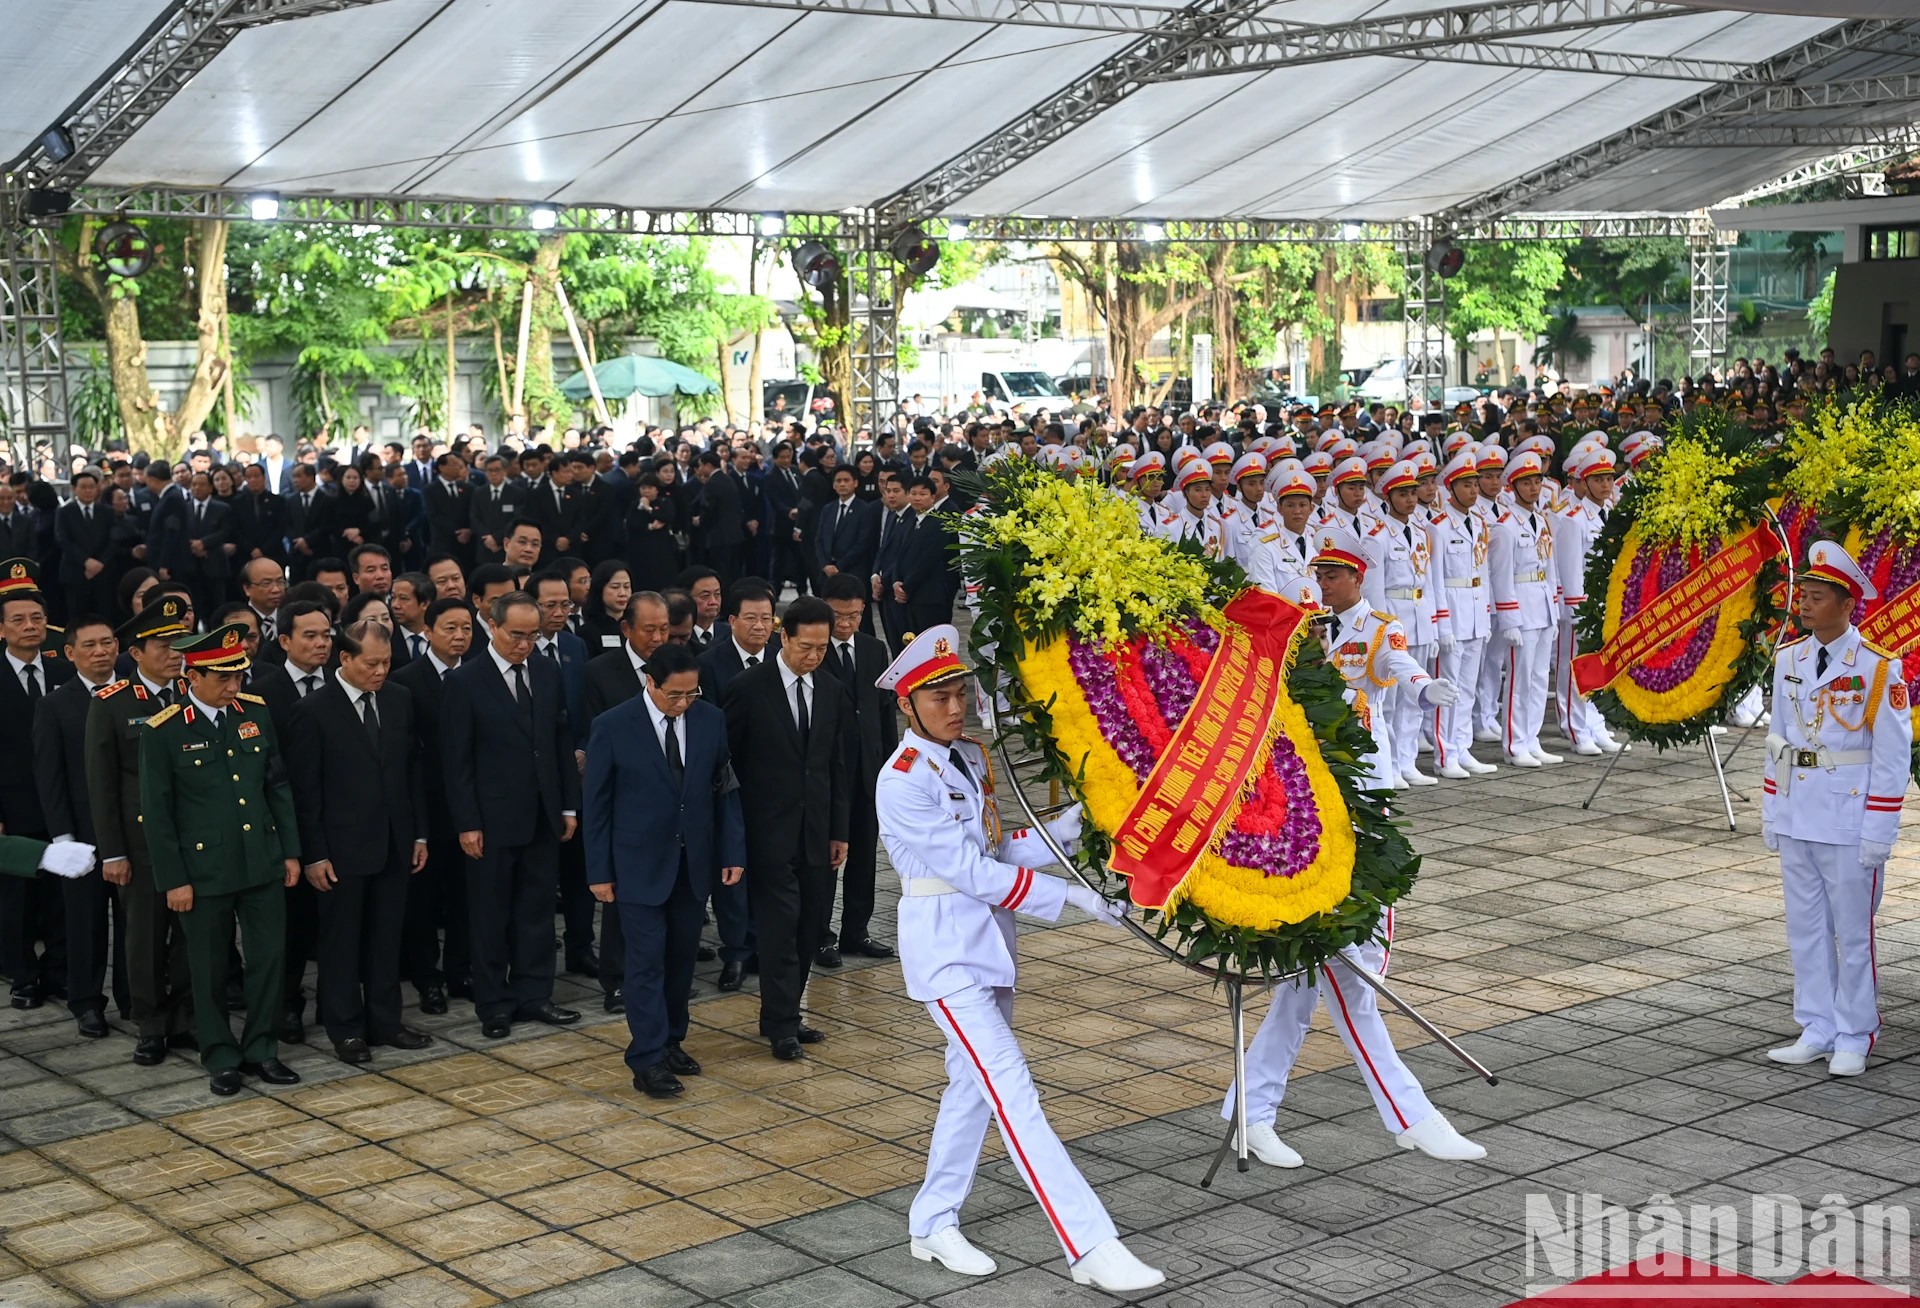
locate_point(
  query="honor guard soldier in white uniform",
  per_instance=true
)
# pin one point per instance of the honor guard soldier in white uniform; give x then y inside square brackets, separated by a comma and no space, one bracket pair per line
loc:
[962,879]
[1369,650]
[1149,483]
[1347,495]
[1281,560]
[1576,528]
[1250,473]
[1491,462]
[1402,581]
[1196,520]
[1837,761]
[1524,614]
[1462,540]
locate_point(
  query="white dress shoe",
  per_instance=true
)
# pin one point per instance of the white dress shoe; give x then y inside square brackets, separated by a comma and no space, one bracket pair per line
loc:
[1608,745]
[1588,749]
[1545,757]
[1475,766]
[1264,1143]
[1434,1136]
[1845,1064]
[1455,772]
[1415,777]
[1799,1052]
[1487,737]
[950,1249]
[1112,1267]
[1400,783]
[1523,761]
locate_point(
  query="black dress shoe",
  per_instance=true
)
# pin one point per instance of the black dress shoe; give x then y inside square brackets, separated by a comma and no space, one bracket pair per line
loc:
[28,996]
[679,1061]
[404,1038]
[729,976]
[867,947]
[352,1050]
[272,1071]
[806,1035]
[293,1031]
[828,957]
[433,1000]
[496,1028]
[150,1051]
[460,989]
[614,1003]
[585,963]
[92,1023]
[704,954]
[226,1083]
[55,990]
[787,1049]
[658,1082]
[549,1012]
[186,1040]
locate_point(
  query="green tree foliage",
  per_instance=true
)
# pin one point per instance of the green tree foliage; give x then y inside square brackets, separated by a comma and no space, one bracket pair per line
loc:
[1505,286]
[1627,273]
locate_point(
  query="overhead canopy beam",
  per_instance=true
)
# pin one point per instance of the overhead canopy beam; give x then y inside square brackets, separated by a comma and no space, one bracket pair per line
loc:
[1843,164]
[1838,136]
[1851,93]
[1066,15]
[1675,124]
[1510,54]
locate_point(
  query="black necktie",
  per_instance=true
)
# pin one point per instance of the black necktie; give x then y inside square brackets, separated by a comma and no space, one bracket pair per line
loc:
[370,716]
[1533,524]
[496,497]
[520,692]
[549,650]
[753,660]
[1301,541]
[800,707]
[676,768]
[960,764]
[308,684]
[416,645]
[846,667]
[1603,515]
[33,683]
[886,524]
[1333,632]
[1820,663]
[164,695]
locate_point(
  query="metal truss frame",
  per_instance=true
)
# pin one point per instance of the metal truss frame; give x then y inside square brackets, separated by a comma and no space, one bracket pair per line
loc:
[1501,54]
[873,284]
[1835,137]
[34,393]
[1115,16]
[1708,275]
[1846,163]
[1675,124]
[1423,315]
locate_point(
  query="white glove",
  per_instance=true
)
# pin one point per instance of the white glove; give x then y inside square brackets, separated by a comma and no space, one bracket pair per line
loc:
[1440,692]
[69,858]
[1065,828]
[1448,644]
[1095,905]
[1511,637]
[1767,838]
[1874,854]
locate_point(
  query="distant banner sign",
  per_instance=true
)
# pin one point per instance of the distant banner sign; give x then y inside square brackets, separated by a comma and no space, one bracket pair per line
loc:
[1895,625]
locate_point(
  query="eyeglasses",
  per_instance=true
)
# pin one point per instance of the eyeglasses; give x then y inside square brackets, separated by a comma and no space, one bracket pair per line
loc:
[520,637]
[557,606]
[679,696]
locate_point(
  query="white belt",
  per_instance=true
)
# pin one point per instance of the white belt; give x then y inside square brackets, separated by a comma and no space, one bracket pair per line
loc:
[1462,583]
[1524,578]
[1405,593]
[1787,757]
[920,887]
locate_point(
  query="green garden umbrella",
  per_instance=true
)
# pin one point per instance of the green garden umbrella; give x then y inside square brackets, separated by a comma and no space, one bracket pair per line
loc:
[628,375]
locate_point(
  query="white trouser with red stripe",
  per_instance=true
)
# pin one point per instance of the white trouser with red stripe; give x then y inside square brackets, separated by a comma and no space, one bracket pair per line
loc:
[987,1079]
[1407,715]
[1580,722]
[1525,704]
[1355,1012]
[1453,723]
[1831,901]
[1487,694]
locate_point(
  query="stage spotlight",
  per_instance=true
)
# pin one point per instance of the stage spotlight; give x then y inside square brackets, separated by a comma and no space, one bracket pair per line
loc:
[1153,232]
[543,217]
[1444,258]
[773,224]
[264,207]
[957,229]
[57,143]
[48,204]
[815,265]
[123,248]
[916,251]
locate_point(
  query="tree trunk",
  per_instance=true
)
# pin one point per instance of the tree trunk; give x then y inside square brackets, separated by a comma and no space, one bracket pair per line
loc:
[834,345]
[127,365]
[542,396]
[755,404]
[209,366]
[1322,348]
[725,350]
[1229,372]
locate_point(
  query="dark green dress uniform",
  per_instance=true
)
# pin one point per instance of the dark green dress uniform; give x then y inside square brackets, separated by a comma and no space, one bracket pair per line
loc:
[157,980]
[20,856]
[219,818]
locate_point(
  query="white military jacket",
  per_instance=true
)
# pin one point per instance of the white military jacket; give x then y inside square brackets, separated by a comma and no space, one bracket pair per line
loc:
[1401,578]
[1837,754]
[1524,580]
[962,878]
[1576,528]
[1462,545]
[1369,649]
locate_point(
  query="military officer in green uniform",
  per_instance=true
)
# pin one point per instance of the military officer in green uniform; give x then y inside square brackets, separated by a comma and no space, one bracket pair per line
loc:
[221,830]
[157,981]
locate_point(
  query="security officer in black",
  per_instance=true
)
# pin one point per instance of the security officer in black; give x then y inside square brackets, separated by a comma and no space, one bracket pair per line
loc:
[221,828]
[157,979]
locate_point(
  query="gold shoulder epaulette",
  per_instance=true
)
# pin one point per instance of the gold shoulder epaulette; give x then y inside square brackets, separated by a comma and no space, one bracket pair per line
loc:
[163,715]
[1384,617]
[1877,650]
[250,697]
[1789,644]
[112,689]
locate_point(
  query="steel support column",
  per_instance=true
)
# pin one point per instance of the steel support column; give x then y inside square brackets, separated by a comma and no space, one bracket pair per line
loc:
[1707,274]
[31,354]
[876,330]
[1423,315]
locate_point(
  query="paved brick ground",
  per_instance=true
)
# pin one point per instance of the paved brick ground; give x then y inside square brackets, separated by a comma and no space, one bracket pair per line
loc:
[1621,968]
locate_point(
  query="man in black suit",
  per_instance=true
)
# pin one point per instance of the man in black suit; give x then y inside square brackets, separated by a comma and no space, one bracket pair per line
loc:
[31,910]
[196,548]
[449,513]
[568,653]
[662,811]
[746,645]
[856,660]
[492,510]
[83,529]
[19,535]
[359,798]
[702,585]
[788,729]
[847,536]
[259,520]
[514,792]
[719,527]
[437,895]
[60,761]
[924,580]
[555,505]
[896,519]
[308,530]
[783,495]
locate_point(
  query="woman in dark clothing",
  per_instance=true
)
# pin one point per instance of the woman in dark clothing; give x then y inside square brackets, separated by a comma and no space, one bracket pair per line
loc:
[867,467]
[350,513]
[607,597]
[653,559]
[678,494]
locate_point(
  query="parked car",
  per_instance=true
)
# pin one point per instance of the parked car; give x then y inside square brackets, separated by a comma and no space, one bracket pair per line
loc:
[802,399]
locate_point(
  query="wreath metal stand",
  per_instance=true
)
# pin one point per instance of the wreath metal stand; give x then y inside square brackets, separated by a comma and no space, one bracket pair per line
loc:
[1712,743]
[1236,1138]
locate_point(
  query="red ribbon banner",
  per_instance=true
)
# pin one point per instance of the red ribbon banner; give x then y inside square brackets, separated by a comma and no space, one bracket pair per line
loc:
[1895,625]
[1677,609]
[1195,784]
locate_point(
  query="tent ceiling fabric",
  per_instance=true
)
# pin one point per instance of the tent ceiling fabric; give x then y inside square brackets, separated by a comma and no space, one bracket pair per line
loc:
[679,104]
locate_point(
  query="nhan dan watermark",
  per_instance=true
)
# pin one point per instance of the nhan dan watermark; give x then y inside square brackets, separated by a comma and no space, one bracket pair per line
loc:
[1713,1247]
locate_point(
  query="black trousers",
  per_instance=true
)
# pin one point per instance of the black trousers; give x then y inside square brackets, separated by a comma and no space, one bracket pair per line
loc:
[576,901]
[791,902]
[33,913]
[362,918]
[92,903]
[613,948]
[662,941]
[437,900]
[510,891]
[302,943]
[856,879]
